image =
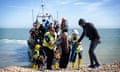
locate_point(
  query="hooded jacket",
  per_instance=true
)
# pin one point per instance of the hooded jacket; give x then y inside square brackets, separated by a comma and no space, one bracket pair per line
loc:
[90,31]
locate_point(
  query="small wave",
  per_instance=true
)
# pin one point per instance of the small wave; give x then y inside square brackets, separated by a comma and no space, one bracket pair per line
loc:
[13,41]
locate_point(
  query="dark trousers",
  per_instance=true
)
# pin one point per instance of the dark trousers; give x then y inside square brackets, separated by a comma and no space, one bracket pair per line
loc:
[93,58]
[79,56]
[50,55]
[64,59]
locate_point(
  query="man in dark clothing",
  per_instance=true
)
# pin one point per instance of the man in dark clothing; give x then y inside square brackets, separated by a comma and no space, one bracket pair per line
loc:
[90,31]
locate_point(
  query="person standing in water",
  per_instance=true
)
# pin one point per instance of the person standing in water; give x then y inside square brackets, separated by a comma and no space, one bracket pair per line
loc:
[90,31]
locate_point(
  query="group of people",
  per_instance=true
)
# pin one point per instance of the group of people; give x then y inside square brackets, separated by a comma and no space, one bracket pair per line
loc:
[51,45]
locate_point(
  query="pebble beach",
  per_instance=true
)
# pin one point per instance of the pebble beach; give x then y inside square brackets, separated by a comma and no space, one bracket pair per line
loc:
[114,67]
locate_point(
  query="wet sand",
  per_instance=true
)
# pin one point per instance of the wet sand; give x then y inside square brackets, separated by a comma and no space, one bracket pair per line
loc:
[115,67]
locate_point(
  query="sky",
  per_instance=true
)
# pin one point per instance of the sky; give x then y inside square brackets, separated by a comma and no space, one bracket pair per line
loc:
[102,13]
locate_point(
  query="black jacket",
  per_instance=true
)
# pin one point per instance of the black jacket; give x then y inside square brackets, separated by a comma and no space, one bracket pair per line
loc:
[90,31]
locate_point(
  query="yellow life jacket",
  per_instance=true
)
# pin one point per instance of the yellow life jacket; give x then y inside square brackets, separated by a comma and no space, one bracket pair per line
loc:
[52,40]
[36,55]
[79,47]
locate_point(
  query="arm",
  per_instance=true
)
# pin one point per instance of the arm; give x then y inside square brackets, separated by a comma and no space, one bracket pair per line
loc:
[81,37]
[49,43]
[47,39]
[97,36]
[34,52]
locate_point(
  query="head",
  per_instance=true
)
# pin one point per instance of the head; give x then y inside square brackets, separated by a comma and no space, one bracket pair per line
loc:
[52,31]
[55,22]
[75,33]
[37,46]
[41,25]
[81,22]
[51,25]
[35,23]
[64,24]
[65,35]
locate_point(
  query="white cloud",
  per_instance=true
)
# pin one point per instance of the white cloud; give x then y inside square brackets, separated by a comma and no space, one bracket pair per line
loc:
[64,2]
[81,3]
[91,6]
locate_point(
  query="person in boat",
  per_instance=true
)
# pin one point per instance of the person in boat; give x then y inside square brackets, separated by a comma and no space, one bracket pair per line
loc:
[38,57]
[37,33]
[56,26]
[42,32]
[65,45]
[90,31]
[56,58]
[47,22]
[32,32]
[48,44]
[76,49]
[64,25]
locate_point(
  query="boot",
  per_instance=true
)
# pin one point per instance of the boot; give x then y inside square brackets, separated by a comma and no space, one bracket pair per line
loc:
[73,65]
[33,66]
[36,67]
[79,63]
[56,66]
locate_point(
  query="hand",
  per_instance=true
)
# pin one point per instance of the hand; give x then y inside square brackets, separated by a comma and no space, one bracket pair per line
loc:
[79,43]
[50,44]
[41,58]
[98,41]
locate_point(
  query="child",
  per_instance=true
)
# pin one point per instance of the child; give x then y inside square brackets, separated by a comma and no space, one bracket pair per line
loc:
[76,49]
[56,58]
[38,57]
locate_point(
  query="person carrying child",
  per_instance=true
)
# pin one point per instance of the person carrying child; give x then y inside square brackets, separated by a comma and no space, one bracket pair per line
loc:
[38,57]
[76,49]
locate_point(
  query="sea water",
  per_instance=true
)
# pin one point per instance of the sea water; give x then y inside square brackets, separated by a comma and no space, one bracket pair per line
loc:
[14,48]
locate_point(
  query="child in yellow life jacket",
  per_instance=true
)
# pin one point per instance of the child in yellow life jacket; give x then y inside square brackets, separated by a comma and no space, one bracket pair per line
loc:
[56,58]
[76,49]
[38,57]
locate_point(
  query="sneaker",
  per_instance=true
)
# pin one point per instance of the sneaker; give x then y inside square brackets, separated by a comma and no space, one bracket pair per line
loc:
[97,65]
[91,66]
